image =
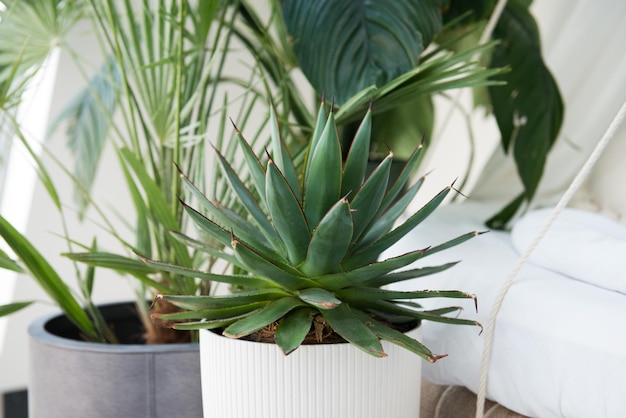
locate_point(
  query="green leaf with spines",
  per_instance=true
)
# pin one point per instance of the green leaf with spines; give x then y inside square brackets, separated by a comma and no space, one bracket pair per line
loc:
[369,196]
[280,274]
[435,315]
[344,322]
[208,226]
[394,336]
[287,214]
[403,275]
[453,242]
[233,279]
[206,247]
[205,302]
[263,317]
[330,241]
[399,185]
[228,219]
[322,186]
[320,122]
[371,253]
[280,154]
[367,294]
[212,314]
[248,200]
[320,298]
[355,166]
[257,172]
[386,220]
[212,324]
[293,329]
[354,277]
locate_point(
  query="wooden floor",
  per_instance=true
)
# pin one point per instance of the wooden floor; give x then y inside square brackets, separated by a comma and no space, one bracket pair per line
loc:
[456,402]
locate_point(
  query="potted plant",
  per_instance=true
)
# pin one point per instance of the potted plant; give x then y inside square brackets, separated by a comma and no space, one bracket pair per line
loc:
[305,270]
[151,102]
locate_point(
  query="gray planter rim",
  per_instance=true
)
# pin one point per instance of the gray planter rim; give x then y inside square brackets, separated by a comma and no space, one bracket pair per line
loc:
[37,329]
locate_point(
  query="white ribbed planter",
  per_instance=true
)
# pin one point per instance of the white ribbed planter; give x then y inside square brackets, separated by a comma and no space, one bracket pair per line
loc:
[245,379]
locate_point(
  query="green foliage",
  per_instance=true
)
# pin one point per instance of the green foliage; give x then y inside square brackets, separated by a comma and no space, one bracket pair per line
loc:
[380,51]
[151,102]
[528,108]
[310,249]
[349,46]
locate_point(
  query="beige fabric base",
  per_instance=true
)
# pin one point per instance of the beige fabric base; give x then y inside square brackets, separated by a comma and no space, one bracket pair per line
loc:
[457,402]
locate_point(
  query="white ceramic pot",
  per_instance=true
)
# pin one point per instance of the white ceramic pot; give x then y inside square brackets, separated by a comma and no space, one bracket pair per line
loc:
[244,379]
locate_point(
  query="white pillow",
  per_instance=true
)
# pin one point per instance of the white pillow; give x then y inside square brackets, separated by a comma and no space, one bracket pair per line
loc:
[582,245]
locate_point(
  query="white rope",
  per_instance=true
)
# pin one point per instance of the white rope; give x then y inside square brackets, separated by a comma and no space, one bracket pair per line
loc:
[569,193]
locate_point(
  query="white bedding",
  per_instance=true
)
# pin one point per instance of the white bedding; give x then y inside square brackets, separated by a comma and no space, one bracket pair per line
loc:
[583,245]
[560,343]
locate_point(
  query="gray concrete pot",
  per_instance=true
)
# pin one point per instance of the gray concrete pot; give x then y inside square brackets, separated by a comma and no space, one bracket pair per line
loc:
[70,378]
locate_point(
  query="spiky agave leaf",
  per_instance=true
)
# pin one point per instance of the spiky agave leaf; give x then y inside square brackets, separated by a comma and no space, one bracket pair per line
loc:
[311,244]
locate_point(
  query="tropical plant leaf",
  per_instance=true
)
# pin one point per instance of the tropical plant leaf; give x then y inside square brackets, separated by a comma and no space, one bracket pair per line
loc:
[351,45]
[529,108]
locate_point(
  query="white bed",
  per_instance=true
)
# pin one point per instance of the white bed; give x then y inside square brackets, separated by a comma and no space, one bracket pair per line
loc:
[560,343]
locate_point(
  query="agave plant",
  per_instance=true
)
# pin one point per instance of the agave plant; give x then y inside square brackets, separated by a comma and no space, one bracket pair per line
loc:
[306,257]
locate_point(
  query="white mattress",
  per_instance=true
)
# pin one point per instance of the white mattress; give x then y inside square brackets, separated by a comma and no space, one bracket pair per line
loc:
[560,344]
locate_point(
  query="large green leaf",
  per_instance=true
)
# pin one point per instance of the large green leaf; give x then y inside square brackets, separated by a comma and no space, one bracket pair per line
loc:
[345,46]
[529,108]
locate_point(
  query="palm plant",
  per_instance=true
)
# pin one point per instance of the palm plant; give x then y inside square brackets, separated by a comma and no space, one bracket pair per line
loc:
[155,101]
[305,256]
